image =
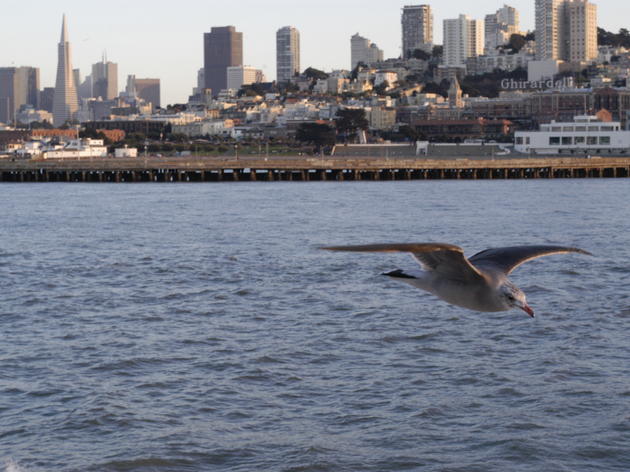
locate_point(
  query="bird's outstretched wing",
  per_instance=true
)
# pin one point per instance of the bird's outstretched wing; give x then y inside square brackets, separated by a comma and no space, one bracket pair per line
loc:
[506,259]
[447,259]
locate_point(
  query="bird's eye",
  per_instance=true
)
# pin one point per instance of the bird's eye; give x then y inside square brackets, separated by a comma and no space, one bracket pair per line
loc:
[511,298]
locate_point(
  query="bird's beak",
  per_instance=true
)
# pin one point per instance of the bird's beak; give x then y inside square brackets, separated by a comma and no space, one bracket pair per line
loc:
[527,309]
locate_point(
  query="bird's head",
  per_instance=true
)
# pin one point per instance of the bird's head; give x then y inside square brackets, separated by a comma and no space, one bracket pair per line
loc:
[513,297]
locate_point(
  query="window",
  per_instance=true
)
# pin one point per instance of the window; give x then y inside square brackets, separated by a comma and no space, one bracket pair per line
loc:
[527,140]
[519,140]
[580,140]
[607,128]
[604,140]
[580,128]
[567,140]
[591,140]
[567,128]
[593,128]
[556,128]
[555,141]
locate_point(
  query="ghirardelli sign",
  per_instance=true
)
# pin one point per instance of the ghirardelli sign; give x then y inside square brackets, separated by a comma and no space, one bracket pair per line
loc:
[545,84]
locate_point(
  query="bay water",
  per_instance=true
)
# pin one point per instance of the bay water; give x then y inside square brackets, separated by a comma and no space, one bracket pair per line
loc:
[197,327]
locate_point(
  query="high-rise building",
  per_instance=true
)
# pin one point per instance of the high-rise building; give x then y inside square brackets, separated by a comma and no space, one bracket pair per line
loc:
[65,103]
[105,79]
[581,29]
[46,99]
[237,76]
[201,80]
[85,88]
[287,54]
[550,29]
[500,26]
[417,29]
[566,30]
[223,47]
[149,90]
[76,76]
[363,51]
[463,38]
[18,86]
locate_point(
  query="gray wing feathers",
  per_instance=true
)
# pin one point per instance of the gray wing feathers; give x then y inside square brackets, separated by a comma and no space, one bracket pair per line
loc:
[447,259]
[397,247]
[507,259]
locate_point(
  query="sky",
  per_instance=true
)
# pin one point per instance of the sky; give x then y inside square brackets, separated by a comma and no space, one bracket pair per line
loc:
[164,39]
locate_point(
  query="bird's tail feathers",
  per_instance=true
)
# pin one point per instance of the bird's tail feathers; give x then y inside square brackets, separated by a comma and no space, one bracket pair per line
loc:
[398,274]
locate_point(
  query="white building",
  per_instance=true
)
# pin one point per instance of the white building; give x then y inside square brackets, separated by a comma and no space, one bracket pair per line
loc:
[463,38]
[499,27]
[581,29]
[75,149]
[287,54]
[362,50]
[237,76]
[542,70]
[386,76]
[566,30]
[382,118]
[334,85]
[126,152]
[207,127]
[585,135]
[507,62]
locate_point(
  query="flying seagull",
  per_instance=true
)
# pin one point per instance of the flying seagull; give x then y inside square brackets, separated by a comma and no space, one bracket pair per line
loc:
[478,283]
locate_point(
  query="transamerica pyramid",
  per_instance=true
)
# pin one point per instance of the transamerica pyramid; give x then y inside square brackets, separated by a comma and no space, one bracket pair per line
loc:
[65,102]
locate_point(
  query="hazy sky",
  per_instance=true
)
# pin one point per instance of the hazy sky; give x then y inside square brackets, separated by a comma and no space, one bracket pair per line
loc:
[164,39]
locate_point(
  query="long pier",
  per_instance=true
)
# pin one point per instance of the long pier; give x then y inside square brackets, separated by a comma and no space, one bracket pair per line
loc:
[300,168]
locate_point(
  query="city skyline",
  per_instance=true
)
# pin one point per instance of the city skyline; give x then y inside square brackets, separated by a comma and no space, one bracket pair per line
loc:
[168,44]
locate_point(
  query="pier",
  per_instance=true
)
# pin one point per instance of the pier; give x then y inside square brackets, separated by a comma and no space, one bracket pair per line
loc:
[300,168]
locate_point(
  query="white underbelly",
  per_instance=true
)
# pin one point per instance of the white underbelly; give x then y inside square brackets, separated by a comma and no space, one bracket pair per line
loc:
[458,293]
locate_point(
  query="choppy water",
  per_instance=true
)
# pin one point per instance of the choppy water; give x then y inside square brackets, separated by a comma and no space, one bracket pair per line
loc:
[196,328]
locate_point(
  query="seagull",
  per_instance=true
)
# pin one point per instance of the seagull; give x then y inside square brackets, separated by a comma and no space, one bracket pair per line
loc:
[479,283]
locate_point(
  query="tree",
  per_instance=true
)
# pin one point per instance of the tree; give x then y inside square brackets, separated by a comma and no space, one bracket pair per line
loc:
[93,134]
[408,133]
[607,38]
[318,134]
[350,120]
[420,54]
[517,42]
[313,73]
[414,78]
[41,125]
[252,90]
[440,89]
[178,138]
[437,51]
[488,84]
[355,72]
[381,88]
[176,108]
[288,87]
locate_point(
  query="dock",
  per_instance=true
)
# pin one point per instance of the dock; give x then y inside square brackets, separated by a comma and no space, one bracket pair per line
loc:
[302,168]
